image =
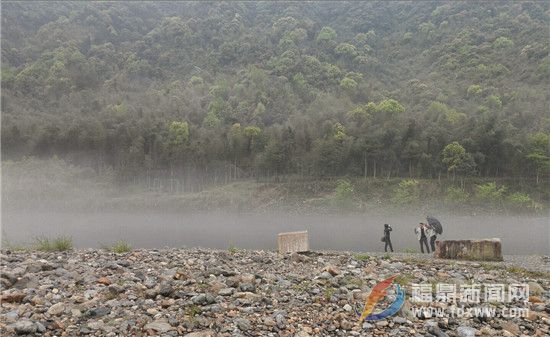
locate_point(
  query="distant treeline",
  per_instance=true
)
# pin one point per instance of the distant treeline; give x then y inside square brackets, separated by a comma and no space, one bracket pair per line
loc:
[54,184]
[231,90]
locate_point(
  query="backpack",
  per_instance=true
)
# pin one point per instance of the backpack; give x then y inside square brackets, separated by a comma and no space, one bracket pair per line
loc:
[383,239]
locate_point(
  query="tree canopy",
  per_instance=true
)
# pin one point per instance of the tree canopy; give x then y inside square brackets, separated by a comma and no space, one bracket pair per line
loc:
[318,88]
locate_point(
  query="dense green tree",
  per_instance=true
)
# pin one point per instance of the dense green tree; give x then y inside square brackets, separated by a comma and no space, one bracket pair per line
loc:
[503,42]
[326,34]
[348,84]
[539,153]
[390,106]
[457,160]
[178,133]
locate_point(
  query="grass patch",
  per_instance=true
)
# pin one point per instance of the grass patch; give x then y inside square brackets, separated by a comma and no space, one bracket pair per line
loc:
[404,279]
[410,251]
[17,248]
[386,256]
[119,247]
[302,287]
[528,273]
[110,296]
[362,257]
[203,286]
[59,244]
[489,266]
[193,310]
[7,244]
[14,247]
[353,281]
[234,250]
[328,293]
[412,260]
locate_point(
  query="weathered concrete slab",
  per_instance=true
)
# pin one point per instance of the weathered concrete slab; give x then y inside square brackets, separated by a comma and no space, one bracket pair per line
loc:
[292,242]
[478,250]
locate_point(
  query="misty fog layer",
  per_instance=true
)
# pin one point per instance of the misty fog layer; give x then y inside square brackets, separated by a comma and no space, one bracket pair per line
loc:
[519,235]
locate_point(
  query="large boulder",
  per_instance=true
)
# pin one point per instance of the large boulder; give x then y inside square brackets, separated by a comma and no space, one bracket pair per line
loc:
[293,242]
[477,250]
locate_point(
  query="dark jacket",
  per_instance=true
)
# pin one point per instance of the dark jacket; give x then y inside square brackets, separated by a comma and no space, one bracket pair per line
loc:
[387,231]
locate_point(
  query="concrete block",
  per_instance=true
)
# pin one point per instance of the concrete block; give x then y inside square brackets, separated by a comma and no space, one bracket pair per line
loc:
[292,242]
[477,250]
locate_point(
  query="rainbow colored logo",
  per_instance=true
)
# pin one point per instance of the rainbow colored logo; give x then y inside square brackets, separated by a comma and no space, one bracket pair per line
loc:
[378,293]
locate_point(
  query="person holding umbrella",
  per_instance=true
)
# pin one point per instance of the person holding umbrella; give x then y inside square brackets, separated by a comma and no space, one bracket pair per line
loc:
[434,229]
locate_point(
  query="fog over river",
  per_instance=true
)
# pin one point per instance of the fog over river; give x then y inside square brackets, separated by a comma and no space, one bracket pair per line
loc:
[355,232]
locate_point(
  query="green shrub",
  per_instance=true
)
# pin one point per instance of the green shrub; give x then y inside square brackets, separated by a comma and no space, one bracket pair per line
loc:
[234,249]
[192,310]
[344,189]
[362,257]
[343,193]
[490,193]
[407,192]
[120,247]
[519,200]
[63,244]
[59,244]
[456,195]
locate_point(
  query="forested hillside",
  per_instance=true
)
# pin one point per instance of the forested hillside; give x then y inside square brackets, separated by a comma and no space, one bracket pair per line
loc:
[393,89]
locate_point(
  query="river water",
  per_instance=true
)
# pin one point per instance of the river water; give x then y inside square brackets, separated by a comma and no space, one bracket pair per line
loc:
[519,235]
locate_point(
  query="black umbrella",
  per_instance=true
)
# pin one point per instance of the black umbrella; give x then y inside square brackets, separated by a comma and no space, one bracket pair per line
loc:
[435,224]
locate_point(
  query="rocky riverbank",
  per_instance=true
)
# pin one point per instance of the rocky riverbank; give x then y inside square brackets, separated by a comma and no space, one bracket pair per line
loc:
[194,293]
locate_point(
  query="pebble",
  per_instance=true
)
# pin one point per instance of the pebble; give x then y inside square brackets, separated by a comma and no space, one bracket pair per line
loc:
[205,333]
[226,291]
[399,320]
[152,311]
[243,324]
[324,275]
[161,327]
[24,327]
[56,309]
[380,324]
[466,331]
[535,289]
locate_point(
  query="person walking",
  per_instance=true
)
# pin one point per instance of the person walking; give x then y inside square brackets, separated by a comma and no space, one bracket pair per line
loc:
[420,232]
[432,235]
[387,238]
